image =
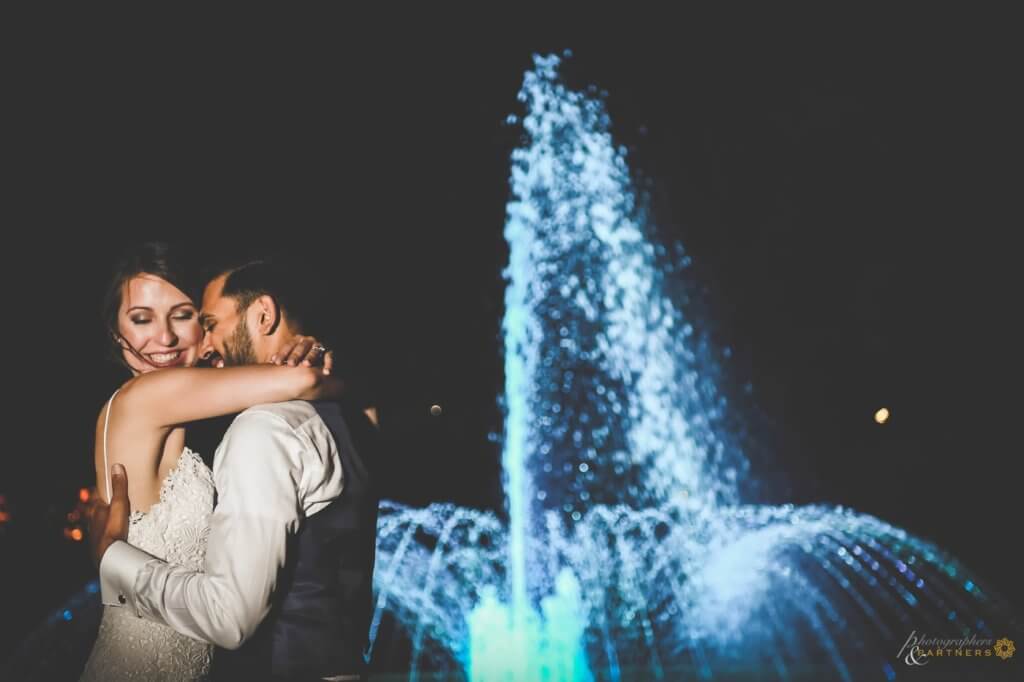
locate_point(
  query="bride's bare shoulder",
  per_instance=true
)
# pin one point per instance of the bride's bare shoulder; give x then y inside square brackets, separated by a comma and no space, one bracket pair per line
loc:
[118,396]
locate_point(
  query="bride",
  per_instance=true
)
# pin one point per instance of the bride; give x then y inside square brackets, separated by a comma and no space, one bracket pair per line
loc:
[154,323]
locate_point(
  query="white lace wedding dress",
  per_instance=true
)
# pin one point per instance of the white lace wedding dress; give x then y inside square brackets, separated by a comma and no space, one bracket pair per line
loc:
[174,529]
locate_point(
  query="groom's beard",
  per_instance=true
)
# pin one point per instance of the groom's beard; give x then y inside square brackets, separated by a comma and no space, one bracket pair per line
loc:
[238,349]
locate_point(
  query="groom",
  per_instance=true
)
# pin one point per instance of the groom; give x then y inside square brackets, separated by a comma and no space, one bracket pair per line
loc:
[287,588]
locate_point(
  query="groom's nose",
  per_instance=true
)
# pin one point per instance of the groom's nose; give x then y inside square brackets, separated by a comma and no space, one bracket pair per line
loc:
[214,359]
[206,349]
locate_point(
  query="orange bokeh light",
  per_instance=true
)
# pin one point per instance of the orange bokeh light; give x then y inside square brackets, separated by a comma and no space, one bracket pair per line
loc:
[76,535]
[83,494]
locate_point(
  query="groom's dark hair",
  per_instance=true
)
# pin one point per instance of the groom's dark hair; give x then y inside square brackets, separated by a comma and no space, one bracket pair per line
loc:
[282,281]
[315,300]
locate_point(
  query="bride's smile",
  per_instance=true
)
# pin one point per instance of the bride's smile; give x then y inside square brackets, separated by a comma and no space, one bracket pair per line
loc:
[170,359]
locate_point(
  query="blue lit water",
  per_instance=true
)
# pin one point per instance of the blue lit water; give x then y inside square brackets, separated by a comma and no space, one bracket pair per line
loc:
[630,552]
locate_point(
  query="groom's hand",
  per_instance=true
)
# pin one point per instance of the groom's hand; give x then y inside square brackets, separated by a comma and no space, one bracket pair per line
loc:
[108,523]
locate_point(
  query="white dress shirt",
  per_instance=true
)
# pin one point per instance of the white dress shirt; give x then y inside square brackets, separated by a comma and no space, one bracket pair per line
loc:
[277,464]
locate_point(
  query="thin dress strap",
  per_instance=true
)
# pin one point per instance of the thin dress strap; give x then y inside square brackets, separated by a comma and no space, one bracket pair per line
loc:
[106,466]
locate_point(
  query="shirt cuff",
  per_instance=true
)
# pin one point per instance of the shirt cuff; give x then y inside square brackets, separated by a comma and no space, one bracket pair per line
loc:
[118,569]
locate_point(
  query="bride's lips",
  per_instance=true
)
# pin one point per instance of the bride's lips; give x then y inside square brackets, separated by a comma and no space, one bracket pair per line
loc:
[168,359]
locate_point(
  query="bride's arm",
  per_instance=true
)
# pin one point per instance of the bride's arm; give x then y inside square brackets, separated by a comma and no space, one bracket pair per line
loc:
[176,396]
[149,406]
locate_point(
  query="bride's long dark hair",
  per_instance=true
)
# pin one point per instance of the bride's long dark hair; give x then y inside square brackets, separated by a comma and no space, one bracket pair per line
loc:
[160,259]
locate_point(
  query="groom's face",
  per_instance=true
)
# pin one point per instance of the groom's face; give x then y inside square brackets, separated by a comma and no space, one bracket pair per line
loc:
[226,327]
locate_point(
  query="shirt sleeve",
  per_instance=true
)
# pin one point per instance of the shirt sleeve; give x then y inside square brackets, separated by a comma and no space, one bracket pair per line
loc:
[260,479]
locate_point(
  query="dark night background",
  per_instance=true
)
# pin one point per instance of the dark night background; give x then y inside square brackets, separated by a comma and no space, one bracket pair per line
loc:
[843,184]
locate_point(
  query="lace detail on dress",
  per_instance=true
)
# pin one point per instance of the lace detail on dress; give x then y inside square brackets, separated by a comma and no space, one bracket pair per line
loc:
[174,529]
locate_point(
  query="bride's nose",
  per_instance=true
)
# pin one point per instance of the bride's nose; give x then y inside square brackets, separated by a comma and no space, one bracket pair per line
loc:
[167,336]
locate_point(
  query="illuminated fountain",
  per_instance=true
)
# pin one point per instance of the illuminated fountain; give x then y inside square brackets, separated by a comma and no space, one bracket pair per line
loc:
[629,551]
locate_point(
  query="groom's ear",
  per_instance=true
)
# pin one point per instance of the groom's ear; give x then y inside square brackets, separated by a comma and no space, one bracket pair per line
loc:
[268,315]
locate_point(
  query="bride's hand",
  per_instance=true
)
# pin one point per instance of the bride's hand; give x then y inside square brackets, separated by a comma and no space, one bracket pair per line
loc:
[306,351]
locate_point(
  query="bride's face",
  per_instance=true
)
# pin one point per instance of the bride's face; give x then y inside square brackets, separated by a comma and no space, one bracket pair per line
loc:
[160,323]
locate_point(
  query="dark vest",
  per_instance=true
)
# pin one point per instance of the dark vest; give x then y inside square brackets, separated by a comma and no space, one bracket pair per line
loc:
[320,620]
